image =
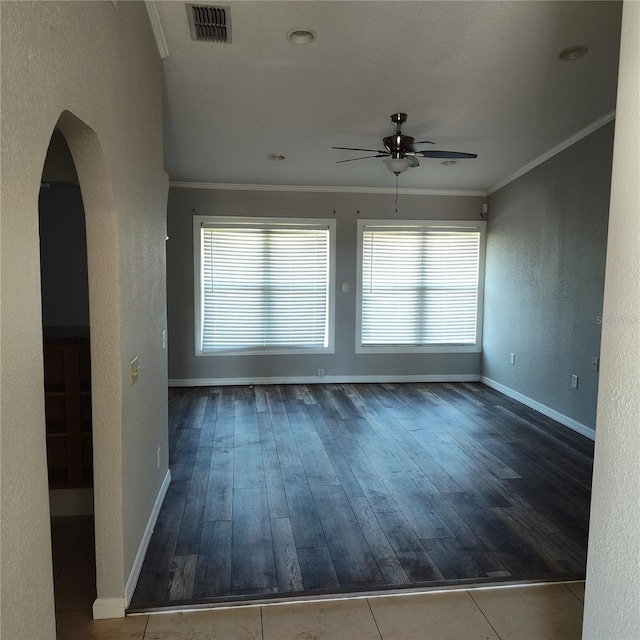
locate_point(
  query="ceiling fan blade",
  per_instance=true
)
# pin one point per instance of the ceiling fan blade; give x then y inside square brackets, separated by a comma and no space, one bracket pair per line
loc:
[445,154]
[423,142]
[380,155]
[356,149]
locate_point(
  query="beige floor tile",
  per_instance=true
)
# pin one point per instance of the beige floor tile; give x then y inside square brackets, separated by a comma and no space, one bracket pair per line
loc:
[78,625]
[65,533]
[536,612]
[75,585]
[86,543]
[435,616]
[340,620]
[223,624]
[577,588]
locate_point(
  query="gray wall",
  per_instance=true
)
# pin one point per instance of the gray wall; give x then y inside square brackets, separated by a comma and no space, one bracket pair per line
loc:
[185,203]
[546,244]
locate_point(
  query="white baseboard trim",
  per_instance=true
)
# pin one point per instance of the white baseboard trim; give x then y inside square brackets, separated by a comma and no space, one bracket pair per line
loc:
[104,608]
[541,408]
[224,382]
[144,543]
[71,502]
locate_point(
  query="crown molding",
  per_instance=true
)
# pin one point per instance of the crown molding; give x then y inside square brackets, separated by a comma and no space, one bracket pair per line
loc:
[576,137]
[223,186]
[156,26]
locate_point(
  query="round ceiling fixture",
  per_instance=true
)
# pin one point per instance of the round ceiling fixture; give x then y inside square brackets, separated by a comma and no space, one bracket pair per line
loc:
[301,36]
[276,156]
[449,163]
[573,53]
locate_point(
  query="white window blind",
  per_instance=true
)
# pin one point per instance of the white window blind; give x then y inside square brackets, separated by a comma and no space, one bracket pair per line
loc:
[264,286]
[419,286]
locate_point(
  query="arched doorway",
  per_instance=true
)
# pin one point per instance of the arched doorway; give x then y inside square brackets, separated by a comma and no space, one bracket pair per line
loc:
[106,389]
[67,378]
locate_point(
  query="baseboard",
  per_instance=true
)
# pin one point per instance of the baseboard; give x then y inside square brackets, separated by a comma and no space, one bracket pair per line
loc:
[144,543]
[582,429]
[224,382]
[104,608]
[71,502]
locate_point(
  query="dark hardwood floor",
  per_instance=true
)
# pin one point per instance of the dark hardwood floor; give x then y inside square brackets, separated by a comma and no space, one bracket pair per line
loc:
[337,487]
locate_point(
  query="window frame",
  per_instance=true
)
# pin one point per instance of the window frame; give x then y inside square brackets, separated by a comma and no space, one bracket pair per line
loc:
[238,221]
[422,224]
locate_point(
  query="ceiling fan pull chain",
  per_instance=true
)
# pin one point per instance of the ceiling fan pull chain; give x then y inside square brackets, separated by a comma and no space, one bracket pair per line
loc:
[397,192]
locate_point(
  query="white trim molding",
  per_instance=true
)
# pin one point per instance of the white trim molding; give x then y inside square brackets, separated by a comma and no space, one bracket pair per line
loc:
[132,581]
[156,27]
[104,608]
[225,382]
[565,144]
[566,421]
[223,186]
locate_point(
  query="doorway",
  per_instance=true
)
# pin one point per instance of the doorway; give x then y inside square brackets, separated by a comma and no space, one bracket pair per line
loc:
[67,387]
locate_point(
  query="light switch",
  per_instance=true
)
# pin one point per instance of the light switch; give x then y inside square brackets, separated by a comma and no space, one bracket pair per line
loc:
[345,287]
[134,370]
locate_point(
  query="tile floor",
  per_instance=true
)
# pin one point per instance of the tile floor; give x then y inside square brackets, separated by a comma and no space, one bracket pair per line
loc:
[74,565]
[532,612]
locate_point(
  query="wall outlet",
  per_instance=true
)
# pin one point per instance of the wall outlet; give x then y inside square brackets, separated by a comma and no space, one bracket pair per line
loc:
[320,373]
[574,381]
[134,370]
[158,457]
[595,363]
[345,287]
[512,358]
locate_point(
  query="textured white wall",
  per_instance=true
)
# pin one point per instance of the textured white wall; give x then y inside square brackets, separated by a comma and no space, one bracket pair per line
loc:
[612,601]
[98,62]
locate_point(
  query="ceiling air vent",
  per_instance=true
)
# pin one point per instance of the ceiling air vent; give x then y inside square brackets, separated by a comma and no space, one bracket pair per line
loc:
[209,23]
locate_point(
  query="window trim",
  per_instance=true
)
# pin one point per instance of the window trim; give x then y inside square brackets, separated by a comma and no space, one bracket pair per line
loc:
[476,225]
[238,221]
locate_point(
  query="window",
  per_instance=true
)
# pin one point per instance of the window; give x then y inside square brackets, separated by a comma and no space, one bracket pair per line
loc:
[420,286]
[263,285]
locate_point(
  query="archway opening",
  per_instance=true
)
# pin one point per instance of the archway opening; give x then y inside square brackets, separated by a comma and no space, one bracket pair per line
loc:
[67,377]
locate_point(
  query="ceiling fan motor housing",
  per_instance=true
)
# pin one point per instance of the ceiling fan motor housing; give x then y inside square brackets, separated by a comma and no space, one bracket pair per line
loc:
[399,145]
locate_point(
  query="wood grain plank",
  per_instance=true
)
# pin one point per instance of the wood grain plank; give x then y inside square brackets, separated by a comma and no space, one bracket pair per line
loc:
[191,526]
[183,575]
[410,552]
[252,562]
[352,558]
[307,529]
[213,570]
[286,556]
[385,556]
[317,568]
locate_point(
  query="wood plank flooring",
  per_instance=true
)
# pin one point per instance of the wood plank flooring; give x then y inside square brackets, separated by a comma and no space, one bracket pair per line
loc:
[336,487]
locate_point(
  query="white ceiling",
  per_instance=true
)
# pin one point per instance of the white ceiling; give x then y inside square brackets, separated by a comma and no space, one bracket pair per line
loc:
[480,77]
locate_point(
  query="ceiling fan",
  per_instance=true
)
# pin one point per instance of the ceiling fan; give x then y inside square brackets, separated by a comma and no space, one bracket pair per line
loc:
[400,152]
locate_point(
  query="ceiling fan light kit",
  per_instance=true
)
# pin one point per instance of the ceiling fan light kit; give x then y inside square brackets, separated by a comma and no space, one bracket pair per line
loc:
[397,165]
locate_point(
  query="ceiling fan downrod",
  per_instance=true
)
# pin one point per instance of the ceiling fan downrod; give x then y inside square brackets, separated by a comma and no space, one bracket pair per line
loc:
[398,119]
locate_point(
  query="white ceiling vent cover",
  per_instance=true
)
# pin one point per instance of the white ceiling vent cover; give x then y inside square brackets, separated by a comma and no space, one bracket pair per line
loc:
[209,23]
